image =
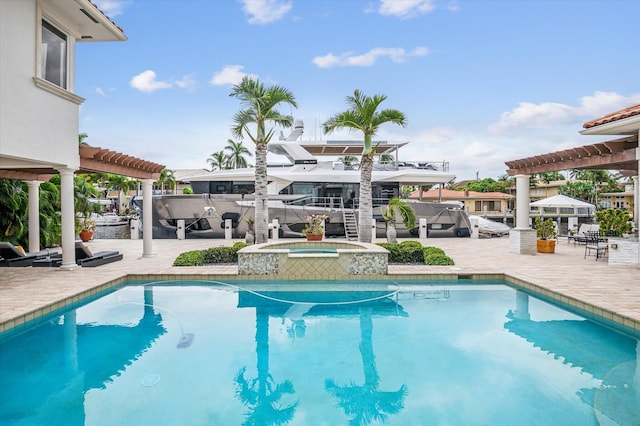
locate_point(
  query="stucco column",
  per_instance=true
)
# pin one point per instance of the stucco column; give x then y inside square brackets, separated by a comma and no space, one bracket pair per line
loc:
[522,202]
[522,239]
[34,215]
[147,217]
[68,219]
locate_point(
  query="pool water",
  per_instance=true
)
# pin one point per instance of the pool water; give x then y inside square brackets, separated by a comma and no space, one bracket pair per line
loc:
[199,353]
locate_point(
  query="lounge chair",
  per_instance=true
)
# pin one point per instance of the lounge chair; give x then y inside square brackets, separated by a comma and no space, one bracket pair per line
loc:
[595,243]
[84,256]
[11,255]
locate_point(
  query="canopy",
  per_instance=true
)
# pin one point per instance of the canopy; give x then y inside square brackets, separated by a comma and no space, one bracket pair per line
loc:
[562,201]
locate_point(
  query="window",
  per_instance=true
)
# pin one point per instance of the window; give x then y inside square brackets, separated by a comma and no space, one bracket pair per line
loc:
[53,55]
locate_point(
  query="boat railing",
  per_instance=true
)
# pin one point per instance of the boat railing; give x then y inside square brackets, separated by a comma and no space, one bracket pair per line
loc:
[325,202]
[436,166]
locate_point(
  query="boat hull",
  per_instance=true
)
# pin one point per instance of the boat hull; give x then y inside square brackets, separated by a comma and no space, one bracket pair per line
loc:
[205,216]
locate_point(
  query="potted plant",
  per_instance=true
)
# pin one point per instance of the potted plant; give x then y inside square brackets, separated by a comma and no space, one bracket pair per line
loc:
[86,226]
[390,214]
[546,233]
[314,229]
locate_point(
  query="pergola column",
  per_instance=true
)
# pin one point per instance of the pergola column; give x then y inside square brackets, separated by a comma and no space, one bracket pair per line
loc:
[68,218]
[522,239]
[147,217]
[34,215]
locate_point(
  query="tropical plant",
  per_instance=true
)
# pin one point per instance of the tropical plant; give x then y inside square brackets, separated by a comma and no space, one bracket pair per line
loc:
[237,151]
[614,222]
[314,224]
[258,107]
[545,228]
[363,116]
[166,178]
[348,160]
[387,159]
[84,191]
[397,207]
[218,161]
[14,203]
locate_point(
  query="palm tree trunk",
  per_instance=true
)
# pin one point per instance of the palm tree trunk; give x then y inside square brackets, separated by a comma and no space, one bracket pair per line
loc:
[365,212]
[261,208]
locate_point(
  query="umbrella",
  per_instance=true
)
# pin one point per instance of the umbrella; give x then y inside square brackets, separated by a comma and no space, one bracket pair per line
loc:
[562,201]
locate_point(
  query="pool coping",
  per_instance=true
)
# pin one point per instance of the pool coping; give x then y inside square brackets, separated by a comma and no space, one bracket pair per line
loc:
[589,310]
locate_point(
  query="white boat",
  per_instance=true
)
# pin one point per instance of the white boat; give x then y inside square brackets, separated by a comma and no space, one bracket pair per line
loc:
[109,219]
[303,185]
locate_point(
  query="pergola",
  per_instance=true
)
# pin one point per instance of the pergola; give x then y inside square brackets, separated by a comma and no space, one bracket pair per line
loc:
[92,160]
[621,154]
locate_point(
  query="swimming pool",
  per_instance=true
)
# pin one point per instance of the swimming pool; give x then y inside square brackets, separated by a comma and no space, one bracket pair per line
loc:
[413,354]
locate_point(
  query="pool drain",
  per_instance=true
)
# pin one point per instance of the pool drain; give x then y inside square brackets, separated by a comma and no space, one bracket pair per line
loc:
[150,380]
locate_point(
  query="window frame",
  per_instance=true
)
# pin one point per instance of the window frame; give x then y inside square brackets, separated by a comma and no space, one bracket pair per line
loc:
[38,78]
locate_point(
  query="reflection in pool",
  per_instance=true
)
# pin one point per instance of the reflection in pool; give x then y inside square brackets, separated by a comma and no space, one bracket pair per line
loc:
[404,353]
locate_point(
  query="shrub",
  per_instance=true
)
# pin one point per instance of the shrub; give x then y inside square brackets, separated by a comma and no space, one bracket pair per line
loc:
[404,253]
[190,258]
[411,244]
[426,251]
[211,255]
[438,259]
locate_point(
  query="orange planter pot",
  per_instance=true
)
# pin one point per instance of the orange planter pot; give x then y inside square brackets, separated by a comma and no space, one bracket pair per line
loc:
[85,235]
[314,237]
[546,246]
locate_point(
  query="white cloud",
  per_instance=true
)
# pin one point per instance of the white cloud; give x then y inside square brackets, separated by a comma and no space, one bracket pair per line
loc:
[99,91]
[146,82]
[231,74]
[405,8]
[111,8]
[187,82]
[550,114]
[265,11]
[396,54]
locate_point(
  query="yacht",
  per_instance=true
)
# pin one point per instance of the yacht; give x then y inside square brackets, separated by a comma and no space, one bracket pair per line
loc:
[303,185]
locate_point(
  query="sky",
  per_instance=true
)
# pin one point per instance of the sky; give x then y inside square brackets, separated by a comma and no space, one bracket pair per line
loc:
[480,82]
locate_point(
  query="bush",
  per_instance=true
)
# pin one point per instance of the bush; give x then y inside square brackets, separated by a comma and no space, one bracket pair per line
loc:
[403,252]
[410,244]
[190,258]
[427,251]
[438,259]
[210,255]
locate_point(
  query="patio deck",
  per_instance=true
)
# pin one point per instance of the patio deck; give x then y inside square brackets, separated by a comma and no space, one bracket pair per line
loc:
[612,292]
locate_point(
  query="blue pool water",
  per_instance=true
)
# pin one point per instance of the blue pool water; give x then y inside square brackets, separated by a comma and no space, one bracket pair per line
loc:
[187,353]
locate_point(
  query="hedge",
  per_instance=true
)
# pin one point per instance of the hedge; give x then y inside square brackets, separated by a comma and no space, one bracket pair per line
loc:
[210,255]
[414,252]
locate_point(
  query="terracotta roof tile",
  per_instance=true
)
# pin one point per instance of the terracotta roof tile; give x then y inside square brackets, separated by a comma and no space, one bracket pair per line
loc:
[614,116]
[103,14]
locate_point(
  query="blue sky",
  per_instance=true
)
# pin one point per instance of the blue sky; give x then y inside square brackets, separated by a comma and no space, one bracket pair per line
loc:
[481,82]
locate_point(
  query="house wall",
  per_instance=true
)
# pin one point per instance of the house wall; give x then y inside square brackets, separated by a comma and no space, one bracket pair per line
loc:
[36,125]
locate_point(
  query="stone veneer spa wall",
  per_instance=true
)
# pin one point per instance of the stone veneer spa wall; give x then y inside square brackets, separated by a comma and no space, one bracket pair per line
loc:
[313,260]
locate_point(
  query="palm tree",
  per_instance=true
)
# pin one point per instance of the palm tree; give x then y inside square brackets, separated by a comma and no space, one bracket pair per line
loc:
[166,177]
[237,151]
[81,139]
[348,160]
[390,213]
[362,116]
[218,161]
[259,103]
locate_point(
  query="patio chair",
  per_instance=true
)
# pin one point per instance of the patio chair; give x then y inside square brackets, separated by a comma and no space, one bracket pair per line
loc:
[595,244]
[11,255]
[85,258]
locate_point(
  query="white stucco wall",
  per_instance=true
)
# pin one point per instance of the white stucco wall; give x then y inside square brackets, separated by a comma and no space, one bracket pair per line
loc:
[35,124]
